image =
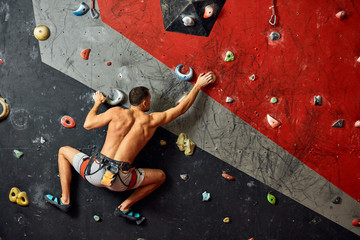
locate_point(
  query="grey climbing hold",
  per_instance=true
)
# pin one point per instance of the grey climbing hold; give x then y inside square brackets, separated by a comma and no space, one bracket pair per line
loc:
[185,77]
[336,200]
[18,154]
[317,101]
[274,36]
[273,100]
[115,98]
[229,56]
[206,196]
[188,21]
[338,124]
[229,100]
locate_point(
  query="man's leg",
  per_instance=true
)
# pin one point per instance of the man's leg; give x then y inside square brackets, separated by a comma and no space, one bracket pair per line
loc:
[65,162]
[152,180]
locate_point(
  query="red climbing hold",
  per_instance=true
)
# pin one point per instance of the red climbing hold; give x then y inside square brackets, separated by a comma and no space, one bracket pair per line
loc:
[341,15]
[108,63]
[85,53]
[356,222]
[227,176]
[273,122]
[1,61]
[68,122]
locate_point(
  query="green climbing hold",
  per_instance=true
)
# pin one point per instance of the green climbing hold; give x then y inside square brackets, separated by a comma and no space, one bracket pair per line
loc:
[18,153]
[273,100]
[96,218]
[271,198]
[229,56]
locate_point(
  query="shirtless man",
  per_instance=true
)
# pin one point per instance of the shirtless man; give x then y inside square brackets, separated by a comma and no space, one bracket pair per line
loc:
[128,132]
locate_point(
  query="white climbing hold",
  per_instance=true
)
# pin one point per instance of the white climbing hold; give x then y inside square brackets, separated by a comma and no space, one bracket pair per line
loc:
[252,77]
[188,21]
[273,122]
[229,100]
[42,140]
[357,124]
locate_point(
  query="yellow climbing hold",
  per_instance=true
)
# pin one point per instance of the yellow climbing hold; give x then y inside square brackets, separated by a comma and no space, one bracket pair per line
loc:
[226,220]
[22,199]
[185,144]
[41,32]
[14,192]
[5,108]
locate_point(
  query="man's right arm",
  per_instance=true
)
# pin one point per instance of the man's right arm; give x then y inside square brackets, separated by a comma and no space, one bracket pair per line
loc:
[163,118]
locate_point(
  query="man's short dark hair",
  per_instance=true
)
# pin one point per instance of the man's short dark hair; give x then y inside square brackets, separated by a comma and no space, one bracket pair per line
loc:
[138,94]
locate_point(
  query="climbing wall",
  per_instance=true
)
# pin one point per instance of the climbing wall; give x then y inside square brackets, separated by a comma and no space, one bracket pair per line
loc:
[316,55]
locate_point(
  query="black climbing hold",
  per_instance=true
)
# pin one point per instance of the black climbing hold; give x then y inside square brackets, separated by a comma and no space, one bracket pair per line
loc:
[317,100]
[338,124]
[173,13]
[336,200]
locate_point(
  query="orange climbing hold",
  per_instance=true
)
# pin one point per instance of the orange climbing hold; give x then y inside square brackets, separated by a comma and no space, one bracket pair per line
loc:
[85,53]
[209,11]
[273,122]
[227,176]
[68,122]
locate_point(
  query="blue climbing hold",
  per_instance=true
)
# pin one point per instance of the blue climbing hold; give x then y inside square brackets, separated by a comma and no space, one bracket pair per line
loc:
[83,8]
[185,77]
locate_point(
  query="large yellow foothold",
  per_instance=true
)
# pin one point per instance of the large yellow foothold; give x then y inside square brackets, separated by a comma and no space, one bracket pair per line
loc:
[189,147]
[41,32]
[13,195]
[22,199]
[185,144]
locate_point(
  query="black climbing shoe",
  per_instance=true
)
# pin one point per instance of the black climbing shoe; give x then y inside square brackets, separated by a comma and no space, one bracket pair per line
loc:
[55,201]
[130,215]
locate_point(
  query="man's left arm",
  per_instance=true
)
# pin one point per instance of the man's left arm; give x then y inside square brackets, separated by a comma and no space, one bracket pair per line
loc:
[94,120]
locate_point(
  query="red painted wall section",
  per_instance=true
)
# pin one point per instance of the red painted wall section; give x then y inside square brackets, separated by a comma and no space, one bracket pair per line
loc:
[316,55]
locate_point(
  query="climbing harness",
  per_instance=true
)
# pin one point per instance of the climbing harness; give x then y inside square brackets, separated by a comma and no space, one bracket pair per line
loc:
[94,14]
[272,20]
[112,168]
[68,122]
[5,107]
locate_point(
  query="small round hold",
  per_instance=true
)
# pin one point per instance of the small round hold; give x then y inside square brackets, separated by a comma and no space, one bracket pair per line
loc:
[274,36]
[227,176]
[108,63]
[14,192]
[226,220]
[357,124]
[188,21]
[229,100]
[273,100]
[162,143]
[184,176]
[1,61]
[68,122]
[97,218]
[41,32]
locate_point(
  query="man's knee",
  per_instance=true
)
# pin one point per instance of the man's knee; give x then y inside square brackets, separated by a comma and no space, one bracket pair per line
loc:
[162,177]
[63,149]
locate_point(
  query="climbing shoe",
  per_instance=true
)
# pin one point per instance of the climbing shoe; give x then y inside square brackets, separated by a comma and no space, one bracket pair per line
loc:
[55,201]
[130,215]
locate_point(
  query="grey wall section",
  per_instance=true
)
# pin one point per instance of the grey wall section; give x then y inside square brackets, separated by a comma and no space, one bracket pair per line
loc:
[211,126]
